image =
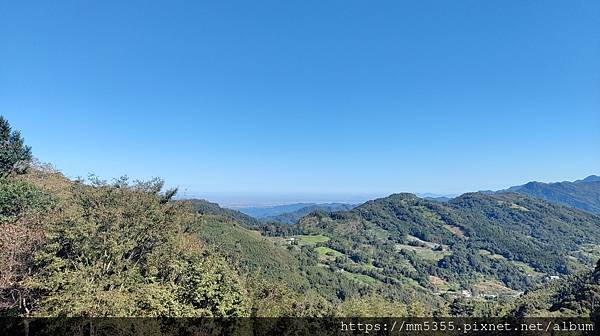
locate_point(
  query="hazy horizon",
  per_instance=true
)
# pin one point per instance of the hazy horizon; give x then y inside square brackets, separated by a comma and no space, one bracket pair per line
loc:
[235,200]
[244,200]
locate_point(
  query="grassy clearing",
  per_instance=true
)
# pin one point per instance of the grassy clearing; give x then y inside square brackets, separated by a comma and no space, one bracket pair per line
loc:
[493,288]
[361,278]
[440,284]
[369,266]
[424,252]
[518,207]
[420,241]
[455,230]
[590,250]
[491,255]
[527,269]
[311,240]
[321,250]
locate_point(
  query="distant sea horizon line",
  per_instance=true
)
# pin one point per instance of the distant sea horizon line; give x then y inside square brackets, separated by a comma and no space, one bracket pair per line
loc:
[241,200]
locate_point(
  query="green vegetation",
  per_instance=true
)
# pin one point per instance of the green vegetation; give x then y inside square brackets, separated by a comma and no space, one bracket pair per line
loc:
[247,249]
[361,278]
[293,217]
[491,238]
[92,248]
[583,194]
[204,207]
[327,251]
[576,295]
[424,252]
[14,155]
[311,240]
[115,250]
[121,248]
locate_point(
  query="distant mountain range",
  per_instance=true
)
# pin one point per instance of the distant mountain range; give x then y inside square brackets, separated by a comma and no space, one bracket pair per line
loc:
[266,211]
[294,216]
[581,194]
[291,213]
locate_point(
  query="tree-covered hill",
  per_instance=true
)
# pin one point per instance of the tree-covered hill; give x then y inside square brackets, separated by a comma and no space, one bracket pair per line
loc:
[581,194]
[576,295]
[274,210]
[290,213]
[481,243]
[205,207]
[294,216]
[296,264]
[527,229]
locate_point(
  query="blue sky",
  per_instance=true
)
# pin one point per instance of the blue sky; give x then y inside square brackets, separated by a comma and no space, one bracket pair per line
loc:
[307,100]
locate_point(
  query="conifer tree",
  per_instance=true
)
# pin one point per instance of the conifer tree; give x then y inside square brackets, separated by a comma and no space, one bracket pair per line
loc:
[14,155]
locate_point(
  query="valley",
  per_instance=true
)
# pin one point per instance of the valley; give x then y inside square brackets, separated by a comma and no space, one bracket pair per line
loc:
[477,247]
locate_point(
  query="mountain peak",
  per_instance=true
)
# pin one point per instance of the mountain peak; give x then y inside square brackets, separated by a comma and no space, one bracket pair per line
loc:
[403,195]
[581,194]
[591,178]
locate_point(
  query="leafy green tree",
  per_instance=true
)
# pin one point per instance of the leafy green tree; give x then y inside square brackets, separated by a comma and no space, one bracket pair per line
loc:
[121,250]
[14,155]
[17,198]
[461,307]
[211,288]
[22,208]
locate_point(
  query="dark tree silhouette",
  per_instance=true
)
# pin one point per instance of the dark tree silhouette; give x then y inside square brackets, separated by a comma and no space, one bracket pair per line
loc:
[14,155]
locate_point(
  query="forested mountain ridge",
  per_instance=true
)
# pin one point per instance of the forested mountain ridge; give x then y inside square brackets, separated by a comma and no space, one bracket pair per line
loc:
[529,227]
[509,239]
[294,262]
[274,210]
[581,194]
[294,216]
[290,213]
[205,207]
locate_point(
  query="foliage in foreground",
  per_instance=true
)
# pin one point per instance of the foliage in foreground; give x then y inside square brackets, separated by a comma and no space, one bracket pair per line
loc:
[111,250]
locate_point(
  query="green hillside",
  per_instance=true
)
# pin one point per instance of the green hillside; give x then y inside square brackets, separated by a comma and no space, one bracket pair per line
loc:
[507,239]
[575,296]
[228,232]
[300,262]
[205,207]
[582,194]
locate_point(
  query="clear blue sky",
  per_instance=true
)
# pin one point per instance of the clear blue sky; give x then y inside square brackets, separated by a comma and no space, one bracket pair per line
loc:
[307,97]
